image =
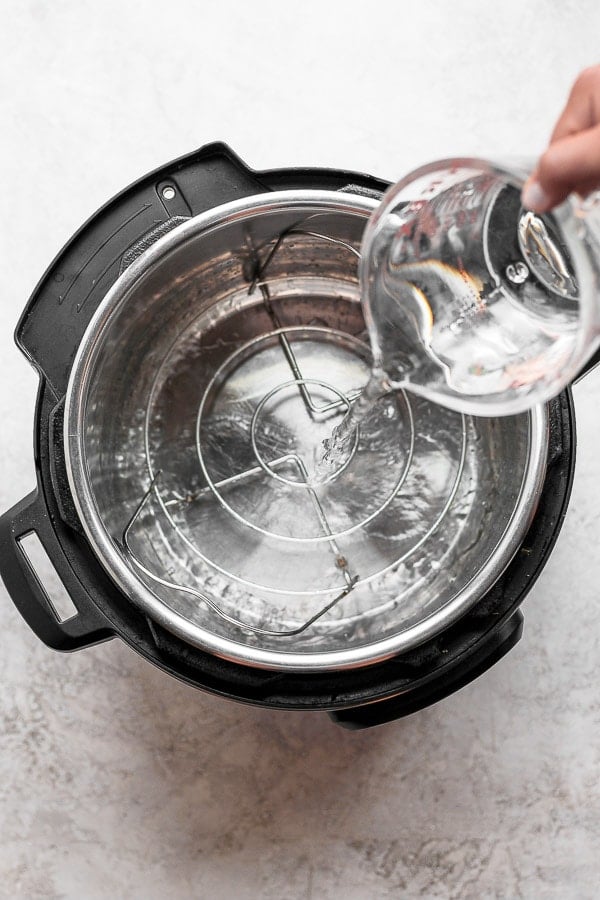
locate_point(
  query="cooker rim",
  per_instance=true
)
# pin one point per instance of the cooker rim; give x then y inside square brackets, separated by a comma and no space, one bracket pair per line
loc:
[140,595]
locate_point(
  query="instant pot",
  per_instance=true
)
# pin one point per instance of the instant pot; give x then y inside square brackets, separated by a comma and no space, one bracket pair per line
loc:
[195,340]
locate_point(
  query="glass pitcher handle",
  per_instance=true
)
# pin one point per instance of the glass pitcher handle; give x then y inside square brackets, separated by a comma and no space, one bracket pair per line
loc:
[588,211]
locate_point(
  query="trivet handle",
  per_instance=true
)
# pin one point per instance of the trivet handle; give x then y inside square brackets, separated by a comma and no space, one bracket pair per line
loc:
[87,625]
[60,309]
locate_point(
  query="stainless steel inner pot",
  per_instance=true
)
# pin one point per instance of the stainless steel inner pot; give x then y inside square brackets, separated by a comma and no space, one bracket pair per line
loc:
[205,382]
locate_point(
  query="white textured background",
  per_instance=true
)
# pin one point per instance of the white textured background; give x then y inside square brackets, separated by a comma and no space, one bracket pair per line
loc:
[115,780]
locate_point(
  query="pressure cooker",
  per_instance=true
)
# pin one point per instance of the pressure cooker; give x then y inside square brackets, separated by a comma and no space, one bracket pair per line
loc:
[195,340]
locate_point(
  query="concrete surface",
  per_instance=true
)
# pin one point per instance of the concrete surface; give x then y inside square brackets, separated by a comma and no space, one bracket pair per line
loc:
[116,781]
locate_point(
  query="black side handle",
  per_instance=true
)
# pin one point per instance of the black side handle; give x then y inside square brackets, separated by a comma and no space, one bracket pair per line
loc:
[442,684]
[88,626]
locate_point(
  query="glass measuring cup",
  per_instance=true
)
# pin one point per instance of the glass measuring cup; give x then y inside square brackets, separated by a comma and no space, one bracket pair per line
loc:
[473,301]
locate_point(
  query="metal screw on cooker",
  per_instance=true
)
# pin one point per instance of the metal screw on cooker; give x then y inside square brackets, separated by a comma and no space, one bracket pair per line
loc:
[517,272]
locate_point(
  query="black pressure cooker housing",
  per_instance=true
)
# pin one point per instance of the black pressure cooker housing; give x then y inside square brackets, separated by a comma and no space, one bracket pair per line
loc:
[49,333]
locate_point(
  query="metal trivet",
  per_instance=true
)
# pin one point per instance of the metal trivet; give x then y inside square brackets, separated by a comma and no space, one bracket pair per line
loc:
[271,467]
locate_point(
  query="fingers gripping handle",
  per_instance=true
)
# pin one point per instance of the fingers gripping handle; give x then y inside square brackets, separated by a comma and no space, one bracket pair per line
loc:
[87,626]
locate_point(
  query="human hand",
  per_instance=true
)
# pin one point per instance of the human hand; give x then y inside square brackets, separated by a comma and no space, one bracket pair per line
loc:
[571,161]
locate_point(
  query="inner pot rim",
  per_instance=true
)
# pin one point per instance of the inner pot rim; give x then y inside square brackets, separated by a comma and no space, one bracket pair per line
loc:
[114,563]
